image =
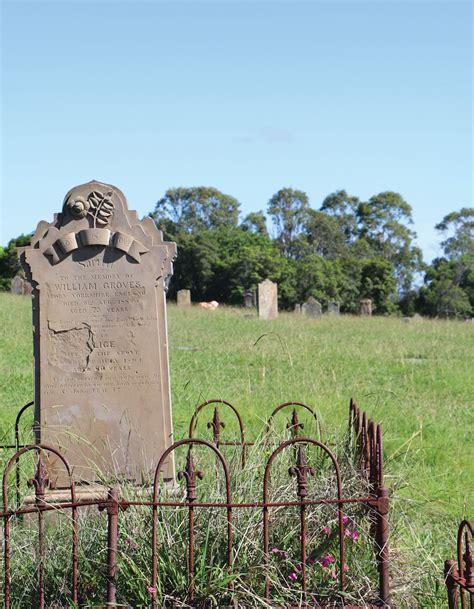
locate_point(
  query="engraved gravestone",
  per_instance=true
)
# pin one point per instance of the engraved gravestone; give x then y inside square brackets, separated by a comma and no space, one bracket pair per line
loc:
[183,298]
[17,285]
[312,308]
[267,300]
[102,392]
[366,306]
[333,307]
[248,300]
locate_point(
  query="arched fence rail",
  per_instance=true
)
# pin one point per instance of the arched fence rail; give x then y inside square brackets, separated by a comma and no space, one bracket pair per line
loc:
[298,451]
[459,574]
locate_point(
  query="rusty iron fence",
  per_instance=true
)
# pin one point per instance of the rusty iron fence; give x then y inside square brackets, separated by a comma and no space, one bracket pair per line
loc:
[17,444]
[459,575]
[366,439]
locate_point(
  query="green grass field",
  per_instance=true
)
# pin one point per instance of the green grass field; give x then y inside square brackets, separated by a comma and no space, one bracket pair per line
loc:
[416,379]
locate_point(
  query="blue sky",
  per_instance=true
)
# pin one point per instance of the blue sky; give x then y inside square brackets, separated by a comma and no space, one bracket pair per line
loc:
[247,96]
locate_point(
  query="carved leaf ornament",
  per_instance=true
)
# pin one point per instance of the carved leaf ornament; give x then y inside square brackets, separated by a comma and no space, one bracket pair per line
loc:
[99,208]
[97,205]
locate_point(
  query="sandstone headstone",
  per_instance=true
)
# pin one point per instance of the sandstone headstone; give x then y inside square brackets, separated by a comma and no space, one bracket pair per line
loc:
[248,300]
[312,308]
[183,298]
[18,285]
[334,307]
[267,300]
[102,392]
[366,306]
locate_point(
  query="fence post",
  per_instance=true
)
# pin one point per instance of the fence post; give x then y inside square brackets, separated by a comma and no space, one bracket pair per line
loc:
[112,541]
[450,573]
[382,543]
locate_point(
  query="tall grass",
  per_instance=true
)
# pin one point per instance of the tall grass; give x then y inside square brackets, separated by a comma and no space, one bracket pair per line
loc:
[415,378]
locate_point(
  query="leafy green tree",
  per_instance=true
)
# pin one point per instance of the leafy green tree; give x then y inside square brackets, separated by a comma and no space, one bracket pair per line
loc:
[384,223]
[344,208]
[9,261]
[288,210]
[458,226]
[378,283]
[323,235]
[255,222]
[197,208]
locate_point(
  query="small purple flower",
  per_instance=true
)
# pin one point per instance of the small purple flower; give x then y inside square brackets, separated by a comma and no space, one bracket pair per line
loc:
[126,541]
[333,574]
[326,560]
[293,576]
[345,519]
[151,589]
[326,530]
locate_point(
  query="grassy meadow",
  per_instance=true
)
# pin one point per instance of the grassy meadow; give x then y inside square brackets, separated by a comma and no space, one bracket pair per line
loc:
[415,378]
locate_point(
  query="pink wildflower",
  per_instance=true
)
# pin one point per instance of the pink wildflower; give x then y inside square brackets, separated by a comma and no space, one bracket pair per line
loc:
[310,562]
[326,560]
[333,574]
[151,589]
[355,535]
[345,568]
[326,530]
[126,541]
[345,519]
[134,546]
[293,576]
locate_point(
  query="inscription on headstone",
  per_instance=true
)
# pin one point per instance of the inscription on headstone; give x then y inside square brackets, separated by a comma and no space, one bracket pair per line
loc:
[312,308]
[267,300]
[366,306]
[183,298]
[333,307]
[102,392]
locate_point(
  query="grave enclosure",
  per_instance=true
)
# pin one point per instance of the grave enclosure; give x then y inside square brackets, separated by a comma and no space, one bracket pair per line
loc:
[102,404]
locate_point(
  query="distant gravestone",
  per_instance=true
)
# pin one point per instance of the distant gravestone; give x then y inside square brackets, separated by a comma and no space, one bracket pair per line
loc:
[366,306]
[183,298]
[267,300]
[333,307]
[18,285]
[248,300]
[312,308]
[102,392]
[298,309]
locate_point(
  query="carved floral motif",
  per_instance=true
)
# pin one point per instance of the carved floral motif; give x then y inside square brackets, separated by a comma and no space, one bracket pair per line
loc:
[98,206]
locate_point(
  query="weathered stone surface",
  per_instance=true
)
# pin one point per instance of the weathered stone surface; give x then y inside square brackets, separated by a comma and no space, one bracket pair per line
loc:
[267,300]
[334,307]
[17,285]
[102,392]
[298,309]
[183,298]
[248,300]
[312,308]
[366,306]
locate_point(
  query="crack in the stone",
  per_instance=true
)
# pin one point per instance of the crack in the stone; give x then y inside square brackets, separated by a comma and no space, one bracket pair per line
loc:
[90,342]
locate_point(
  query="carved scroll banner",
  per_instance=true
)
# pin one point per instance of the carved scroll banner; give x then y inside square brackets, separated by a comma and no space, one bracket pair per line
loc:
[102,390]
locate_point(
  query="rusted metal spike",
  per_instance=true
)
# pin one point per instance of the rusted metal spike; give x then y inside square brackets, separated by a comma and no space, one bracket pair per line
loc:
[190,474]
[293,425]
[40,480]
[216,424]
[301,471]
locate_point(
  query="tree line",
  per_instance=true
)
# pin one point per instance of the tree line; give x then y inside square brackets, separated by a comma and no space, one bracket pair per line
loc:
[346,250]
